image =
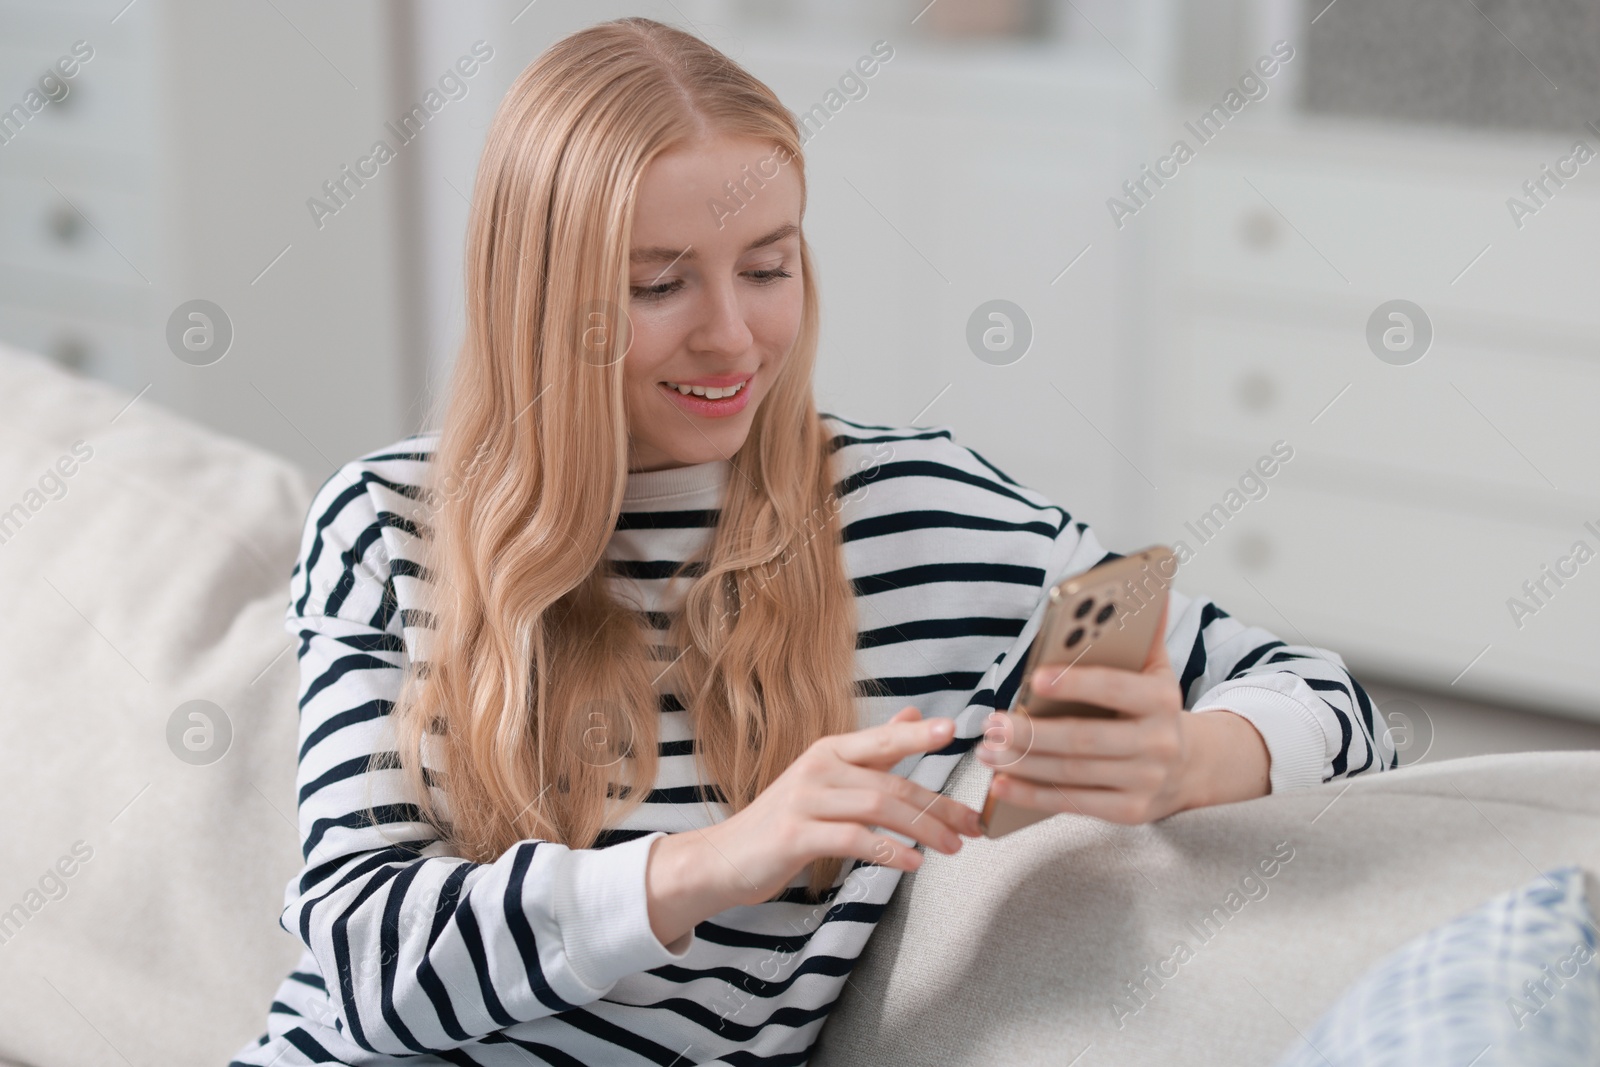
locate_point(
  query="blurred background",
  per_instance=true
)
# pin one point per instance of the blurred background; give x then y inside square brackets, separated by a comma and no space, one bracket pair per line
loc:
[1135,252]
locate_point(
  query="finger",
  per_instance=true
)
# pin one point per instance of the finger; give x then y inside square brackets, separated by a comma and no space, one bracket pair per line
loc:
[1156,661]
[854,841]
[1061,735]
[1128,692]
[885,745]
[1131,775]
[949,811]
[1112,805]
[873,807]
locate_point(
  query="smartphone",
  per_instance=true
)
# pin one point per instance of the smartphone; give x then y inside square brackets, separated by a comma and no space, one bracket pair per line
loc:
[1108,616]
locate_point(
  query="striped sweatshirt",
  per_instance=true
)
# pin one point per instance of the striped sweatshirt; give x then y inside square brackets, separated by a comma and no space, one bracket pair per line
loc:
[546,955]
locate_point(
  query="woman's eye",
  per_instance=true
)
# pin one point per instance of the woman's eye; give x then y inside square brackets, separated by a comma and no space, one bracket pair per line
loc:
[656,292]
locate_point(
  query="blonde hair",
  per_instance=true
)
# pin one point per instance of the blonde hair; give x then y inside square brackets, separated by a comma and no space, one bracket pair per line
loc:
[529,652]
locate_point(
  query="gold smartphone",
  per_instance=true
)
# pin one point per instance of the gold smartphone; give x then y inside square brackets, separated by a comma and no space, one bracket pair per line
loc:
[1108,616]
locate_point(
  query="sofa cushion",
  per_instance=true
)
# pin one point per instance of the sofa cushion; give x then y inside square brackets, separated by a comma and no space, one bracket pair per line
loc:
[144,564]
[1513,981]
[1216,936]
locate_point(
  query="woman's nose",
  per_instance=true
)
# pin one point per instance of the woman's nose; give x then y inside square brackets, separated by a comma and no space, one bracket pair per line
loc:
[722,326]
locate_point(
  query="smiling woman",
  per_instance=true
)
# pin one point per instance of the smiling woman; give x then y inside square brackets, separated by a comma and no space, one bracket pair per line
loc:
[605,755]
[716,303]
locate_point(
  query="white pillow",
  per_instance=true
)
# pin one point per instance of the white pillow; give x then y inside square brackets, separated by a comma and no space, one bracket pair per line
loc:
[144,563]
[1515,981]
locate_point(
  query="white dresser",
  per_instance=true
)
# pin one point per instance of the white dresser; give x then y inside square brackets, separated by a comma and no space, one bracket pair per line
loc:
[178,167]
[76,236]
[1421,496]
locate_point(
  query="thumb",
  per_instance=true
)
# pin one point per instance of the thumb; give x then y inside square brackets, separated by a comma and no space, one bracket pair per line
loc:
[901,716]
[1156,660]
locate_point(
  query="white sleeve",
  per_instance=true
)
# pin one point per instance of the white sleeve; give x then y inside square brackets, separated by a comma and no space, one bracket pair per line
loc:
[1316,719]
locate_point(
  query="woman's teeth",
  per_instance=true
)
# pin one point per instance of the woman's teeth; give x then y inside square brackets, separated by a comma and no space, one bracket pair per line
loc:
[710,393]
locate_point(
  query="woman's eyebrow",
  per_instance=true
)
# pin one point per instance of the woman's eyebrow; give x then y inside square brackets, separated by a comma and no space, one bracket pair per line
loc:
[658,253]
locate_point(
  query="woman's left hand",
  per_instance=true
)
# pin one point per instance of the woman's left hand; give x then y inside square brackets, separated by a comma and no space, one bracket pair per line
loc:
[1156,760]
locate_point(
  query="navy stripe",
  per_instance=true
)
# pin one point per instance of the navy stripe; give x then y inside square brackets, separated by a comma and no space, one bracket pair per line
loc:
[372,709]
[680,794]
[1252,657]
[903,521]
[427,975]
[938,630]
[306,978]
[522,931]
[307,1046]
[918,468]
[338,669]
[389,955]
[349,768]
[930,573]
[607,838]
[1196,664]
[342,958]
[647,570]
[920,684]
[472,938]
[668,520]
[356,491]
[386,814]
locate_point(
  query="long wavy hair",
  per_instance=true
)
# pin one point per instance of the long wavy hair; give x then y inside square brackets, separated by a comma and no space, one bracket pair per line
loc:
[536,699]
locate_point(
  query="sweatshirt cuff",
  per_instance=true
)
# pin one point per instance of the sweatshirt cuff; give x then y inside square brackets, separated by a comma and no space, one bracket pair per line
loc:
[1292,734]
[604,915]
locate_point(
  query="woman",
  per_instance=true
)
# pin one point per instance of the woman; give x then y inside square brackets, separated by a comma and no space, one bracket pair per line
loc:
[605,680]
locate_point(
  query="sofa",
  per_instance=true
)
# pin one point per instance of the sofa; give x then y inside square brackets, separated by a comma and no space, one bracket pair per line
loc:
[144,561]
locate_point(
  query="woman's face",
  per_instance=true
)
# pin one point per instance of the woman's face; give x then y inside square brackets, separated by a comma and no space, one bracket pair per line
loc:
[716,297]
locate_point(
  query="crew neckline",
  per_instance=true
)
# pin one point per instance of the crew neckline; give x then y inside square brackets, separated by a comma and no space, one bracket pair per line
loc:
[676,481]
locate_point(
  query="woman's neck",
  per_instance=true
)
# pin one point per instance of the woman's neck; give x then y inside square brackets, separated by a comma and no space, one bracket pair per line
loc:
[676,481]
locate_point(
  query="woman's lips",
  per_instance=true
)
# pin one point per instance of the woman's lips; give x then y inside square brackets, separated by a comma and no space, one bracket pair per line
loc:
[707,408]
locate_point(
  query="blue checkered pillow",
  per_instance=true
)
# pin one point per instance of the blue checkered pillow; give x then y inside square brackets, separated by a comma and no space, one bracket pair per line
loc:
[1516,981]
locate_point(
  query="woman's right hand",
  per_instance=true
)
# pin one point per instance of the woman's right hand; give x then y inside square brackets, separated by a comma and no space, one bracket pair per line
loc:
[822,805]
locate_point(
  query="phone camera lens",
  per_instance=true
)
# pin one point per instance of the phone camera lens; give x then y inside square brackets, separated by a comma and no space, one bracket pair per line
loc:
[1084,608]
[1074,637]
[1105,613]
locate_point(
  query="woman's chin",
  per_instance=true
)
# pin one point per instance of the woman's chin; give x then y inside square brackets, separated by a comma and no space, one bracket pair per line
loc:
[699,441]
[687,453]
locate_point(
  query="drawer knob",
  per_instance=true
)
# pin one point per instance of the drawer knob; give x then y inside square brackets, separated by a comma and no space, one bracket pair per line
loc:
[1253,551]
[1257,391]
[70,350]
[65,225]
[1259,229]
